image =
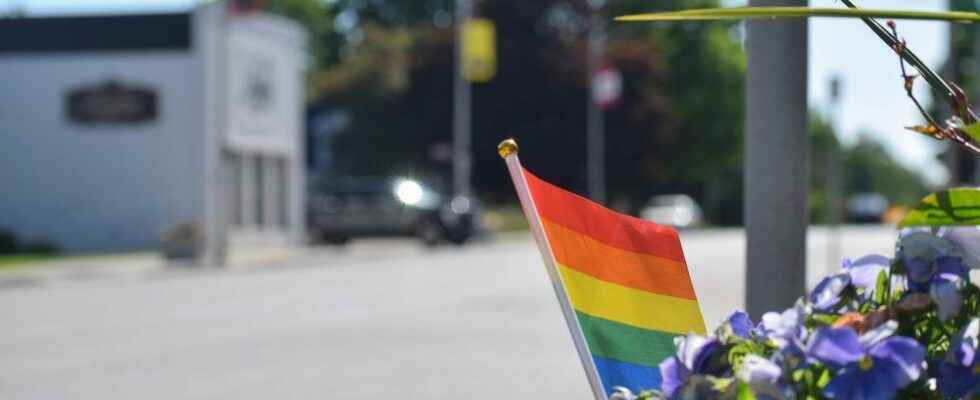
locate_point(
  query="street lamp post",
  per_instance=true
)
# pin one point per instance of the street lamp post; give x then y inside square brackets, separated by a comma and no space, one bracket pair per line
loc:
[834,170]
[595,135]
[462,103]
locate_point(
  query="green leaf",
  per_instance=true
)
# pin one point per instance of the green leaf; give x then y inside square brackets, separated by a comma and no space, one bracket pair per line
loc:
[881,287]
[721,384]
[825,319]
[796,12]
[738,352]
[824,378]
[745,392]
[973,130]
[798,375]
[958,206]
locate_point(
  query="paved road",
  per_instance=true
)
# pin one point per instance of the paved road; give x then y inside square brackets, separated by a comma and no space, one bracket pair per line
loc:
[381,319]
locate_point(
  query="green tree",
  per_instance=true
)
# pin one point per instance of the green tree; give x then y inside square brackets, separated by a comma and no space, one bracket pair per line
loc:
[677,128]
[373,93]
[705,83]
[823,144]
[394,13]
[870,168]
[867,167]
[316,17]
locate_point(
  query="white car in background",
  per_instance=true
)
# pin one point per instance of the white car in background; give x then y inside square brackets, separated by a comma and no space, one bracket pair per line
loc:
[677,210]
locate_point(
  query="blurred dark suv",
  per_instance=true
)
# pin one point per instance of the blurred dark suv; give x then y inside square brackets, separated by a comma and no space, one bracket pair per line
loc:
[343,208]
[866,208]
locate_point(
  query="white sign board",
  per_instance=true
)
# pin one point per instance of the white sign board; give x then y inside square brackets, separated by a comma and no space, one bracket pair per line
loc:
[263,91]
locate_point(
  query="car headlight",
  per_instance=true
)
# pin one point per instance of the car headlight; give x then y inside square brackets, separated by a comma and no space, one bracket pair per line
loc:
[408,192]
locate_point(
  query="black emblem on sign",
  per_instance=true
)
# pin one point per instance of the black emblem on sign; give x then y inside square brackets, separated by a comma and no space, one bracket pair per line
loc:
[112,102]
[258,87]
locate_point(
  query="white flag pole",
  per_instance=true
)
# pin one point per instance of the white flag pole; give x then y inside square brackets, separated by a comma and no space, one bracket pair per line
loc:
[508,151]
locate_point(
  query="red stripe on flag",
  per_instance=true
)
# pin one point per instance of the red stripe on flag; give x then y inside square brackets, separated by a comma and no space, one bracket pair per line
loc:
[602,224]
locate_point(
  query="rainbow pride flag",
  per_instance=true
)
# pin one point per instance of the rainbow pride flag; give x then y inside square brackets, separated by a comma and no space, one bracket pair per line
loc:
[622,282]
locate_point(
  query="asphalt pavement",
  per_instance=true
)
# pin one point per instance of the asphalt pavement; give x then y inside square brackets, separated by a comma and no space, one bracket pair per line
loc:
[382,318]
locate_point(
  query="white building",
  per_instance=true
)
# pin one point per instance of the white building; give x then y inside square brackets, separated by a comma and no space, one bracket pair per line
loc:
[115,129]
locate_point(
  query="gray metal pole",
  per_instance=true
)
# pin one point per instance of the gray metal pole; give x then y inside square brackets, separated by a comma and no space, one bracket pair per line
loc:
[462,104]
[776,158]
[595,135]
[834,170]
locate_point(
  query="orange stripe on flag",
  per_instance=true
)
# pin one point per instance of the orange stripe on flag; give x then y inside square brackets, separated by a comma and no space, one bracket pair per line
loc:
[604,225]
[634,270]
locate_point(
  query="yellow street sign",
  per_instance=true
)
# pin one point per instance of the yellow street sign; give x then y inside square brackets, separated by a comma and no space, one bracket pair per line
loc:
[479,50]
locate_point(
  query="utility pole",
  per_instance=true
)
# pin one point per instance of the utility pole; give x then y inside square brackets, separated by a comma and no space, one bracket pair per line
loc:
[834,171]
[595,134]
[964,46]
[776,158]
[462,108]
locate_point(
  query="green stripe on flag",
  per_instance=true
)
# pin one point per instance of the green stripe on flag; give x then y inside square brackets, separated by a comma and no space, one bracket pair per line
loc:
[626,343]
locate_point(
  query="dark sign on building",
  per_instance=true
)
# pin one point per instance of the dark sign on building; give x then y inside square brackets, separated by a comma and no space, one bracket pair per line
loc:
[112,102]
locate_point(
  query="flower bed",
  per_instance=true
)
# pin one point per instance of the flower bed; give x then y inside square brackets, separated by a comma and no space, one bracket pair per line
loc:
[902,327]
[882,328]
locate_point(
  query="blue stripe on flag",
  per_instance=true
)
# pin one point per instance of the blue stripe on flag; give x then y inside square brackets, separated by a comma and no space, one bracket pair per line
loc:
[631,376]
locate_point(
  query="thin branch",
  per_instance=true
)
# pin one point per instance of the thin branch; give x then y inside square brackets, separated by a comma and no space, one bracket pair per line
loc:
[937,83]
[932,129]
[950,92]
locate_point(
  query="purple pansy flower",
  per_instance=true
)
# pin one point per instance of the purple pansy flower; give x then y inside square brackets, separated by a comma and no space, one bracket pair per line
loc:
[765,378]
[693,355]
[741,324]
[923,246]
[922,274]
[965,241]
[827,295]
[873,366]
[946,294]
[785,328]
[758,371]
[935,265]
[959,372]
[787,332]
[865,270]
[791,357]
[941,278]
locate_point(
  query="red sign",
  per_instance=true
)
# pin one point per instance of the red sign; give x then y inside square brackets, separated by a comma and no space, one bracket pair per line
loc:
[244,6]
[607,87]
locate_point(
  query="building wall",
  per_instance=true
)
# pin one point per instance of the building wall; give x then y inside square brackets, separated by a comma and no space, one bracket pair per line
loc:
[264,134]
[107,187]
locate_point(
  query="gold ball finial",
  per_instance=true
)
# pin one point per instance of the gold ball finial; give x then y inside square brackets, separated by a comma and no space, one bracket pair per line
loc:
[507,147]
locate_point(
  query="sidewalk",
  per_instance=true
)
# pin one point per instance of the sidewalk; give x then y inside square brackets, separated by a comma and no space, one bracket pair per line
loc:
[141,265]
[242,257]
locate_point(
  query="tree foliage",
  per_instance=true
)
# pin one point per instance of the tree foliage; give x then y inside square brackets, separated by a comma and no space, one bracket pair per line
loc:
[867,167]
[318,21]
[677,129]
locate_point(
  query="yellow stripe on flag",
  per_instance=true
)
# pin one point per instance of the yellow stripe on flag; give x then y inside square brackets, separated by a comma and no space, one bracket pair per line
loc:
[630,306]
